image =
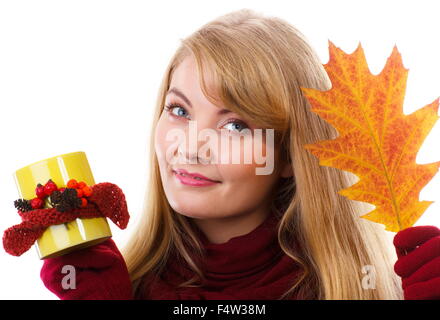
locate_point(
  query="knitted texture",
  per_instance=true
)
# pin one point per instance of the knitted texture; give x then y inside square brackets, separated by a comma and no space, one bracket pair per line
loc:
[246,267]
[418,264]
[100,274]
[107,200]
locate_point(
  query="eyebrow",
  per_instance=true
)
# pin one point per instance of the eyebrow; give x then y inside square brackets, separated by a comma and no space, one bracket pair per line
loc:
[179,93]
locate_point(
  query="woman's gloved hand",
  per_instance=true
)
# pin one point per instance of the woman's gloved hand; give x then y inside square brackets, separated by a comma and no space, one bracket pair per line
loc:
[100,273]
[418,264]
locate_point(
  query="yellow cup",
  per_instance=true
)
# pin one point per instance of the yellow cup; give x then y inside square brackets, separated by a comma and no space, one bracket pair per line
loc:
[80,233]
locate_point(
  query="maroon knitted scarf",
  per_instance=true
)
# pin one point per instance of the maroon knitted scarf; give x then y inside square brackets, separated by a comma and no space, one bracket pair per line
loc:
[250,266]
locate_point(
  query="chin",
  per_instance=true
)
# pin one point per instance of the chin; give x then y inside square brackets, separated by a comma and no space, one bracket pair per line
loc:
[194,213]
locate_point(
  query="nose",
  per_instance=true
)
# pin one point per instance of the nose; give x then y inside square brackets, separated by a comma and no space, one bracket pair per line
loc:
[194,150]
[187,155]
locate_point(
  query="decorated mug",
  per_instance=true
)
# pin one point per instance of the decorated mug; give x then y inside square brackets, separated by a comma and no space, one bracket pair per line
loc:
[66,237]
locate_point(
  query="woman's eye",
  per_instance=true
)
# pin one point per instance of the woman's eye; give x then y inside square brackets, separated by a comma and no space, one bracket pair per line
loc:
[180,111]
[236,126]
[177,110]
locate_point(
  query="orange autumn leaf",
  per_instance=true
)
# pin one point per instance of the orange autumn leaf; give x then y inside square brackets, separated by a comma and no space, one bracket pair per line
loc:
[376,141]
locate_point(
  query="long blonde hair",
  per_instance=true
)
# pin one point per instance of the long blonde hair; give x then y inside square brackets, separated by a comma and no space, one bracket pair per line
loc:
[259,65]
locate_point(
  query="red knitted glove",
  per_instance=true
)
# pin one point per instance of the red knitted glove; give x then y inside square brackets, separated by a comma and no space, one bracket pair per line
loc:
[418,264]
[100,274]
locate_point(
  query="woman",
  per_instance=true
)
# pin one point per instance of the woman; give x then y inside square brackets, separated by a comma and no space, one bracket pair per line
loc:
[234,234]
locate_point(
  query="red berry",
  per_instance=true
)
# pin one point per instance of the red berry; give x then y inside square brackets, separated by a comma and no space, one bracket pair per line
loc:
[87,191]
[83,202]
[39,191]
[79,193]
[81,185]
[37,203]
[61,189]
[50,187]
[72,184]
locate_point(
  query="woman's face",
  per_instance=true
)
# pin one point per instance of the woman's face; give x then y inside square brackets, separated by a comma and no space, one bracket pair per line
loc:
[237,189]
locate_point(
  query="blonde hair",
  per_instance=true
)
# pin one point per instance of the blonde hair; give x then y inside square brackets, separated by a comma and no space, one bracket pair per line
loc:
[259,64]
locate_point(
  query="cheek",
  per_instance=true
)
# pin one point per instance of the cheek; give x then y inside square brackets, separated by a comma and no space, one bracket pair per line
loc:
[243,189]
[245,174]
[160,142]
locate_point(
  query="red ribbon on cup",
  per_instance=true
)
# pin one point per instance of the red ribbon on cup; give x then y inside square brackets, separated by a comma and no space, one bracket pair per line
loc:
[107,200]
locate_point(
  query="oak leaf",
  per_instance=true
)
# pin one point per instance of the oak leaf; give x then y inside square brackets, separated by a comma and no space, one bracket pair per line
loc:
[376,141]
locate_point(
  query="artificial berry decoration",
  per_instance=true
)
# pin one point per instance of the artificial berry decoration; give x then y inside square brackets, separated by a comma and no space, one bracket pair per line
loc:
[37,203]
[23,205]
[72,183]
[87,191]
[79,193]
[66,200]
[83,202]
[39,191]
[50,187]
[82,190]
[74,195]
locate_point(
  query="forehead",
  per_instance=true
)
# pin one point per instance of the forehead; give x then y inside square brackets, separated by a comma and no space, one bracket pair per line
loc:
[186,77]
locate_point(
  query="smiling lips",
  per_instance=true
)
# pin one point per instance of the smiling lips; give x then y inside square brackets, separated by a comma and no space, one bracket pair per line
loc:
[193,179]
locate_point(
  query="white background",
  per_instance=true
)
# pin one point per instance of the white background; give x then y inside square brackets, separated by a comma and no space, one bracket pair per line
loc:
[84,75]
